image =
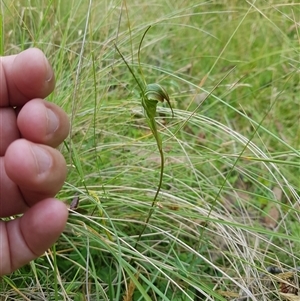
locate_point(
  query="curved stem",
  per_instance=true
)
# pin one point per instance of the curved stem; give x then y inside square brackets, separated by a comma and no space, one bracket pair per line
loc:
[162,164]
[139,58]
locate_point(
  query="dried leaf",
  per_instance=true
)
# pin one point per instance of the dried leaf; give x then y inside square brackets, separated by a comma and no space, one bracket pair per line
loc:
[277,193]
[74,203]
[272,217]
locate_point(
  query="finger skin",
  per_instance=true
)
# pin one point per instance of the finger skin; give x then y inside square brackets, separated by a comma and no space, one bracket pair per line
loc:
[25,76]
[8,128]
[43,122]
[11,199]
[37,169]
[29,236]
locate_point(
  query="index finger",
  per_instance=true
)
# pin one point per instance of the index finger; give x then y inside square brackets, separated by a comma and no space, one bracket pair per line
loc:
[25,76]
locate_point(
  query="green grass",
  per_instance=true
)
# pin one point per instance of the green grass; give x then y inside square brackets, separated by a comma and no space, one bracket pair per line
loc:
[229,204]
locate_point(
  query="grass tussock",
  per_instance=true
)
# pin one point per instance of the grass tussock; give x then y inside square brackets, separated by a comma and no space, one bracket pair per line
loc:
[229,207]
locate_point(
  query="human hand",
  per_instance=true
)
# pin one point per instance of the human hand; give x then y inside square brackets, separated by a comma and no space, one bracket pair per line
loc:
[32,171]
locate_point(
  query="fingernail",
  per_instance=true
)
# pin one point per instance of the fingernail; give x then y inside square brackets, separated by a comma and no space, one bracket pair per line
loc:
[52,121]
[49,72]
[42,159]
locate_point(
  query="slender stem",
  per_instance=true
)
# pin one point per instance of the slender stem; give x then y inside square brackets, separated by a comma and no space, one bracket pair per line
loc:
[139,57]
[131,71]
[162,165]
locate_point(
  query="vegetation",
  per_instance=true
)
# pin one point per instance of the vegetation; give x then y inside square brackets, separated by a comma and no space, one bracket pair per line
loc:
[229,204]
